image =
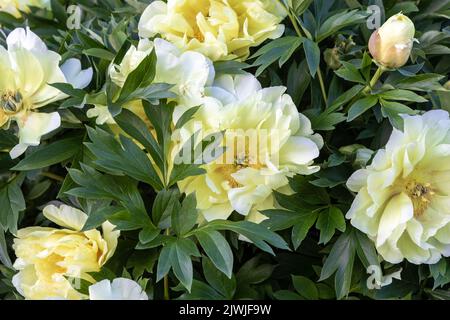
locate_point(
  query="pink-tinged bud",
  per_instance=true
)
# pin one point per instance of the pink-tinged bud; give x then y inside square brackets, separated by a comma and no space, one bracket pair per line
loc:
[391,44]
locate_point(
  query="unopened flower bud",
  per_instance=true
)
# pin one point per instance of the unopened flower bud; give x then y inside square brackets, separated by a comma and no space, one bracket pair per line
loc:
[332,58]
[391,44]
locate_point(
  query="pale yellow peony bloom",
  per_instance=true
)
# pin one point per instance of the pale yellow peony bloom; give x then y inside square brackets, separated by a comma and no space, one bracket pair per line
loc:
[47,258]
[16,7]
[392,43]
[220,29]
[267,142]
[27,68]
[403,200]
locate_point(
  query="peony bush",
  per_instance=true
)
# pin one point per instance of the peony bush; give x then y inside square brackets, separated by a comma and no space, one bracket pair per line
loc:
[224,150]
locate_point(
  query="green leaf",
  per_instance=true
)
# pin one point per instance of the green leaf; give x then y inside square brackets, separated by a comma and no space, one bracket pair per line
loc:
[4,256]
[350,73]
[286,295]
[280,49]
[165,203]
[305,287]
[328,222]
[341,260]
[300,6]
[302,227]
[94,185]
[201,291]
[182,265]
[148,234]
[217,249]
[95,219]
[421,82]
[312,52]
[136,128]
[141,77]
[186,117]
[365,249]
[259,235]
[12,203]
[394,111]
[184,219]
[100,53]
[361,106]
[125,157]
[339,21]
[252,272]
[51,154]
[226,286]
[329,118]
[402,95]
[230,67]
[164,263]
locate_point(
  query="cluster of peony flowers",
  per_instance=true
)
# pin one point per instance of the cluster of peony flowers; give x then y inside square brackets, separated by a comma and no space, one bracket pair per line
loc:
[403,196]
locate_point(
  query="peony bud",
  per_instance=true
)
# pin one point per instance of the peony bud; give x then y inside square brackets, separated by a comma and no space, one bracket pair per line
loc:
[391,44]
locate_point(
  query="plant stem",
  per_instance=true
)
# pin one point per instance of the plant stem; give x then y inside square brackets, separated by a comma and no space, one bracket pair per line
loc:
[52,176]
[296,26]
[367,89]
[166,288]
[166,277]
[322,86]
[374,80]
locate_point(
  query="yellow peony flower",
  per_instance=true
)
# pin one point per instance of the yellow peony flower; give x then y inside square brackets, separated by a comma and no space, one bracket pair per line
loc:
[220,29]
[403,200]
[47,257]
[27,68]
[15,7]
[267,141]
[391,44]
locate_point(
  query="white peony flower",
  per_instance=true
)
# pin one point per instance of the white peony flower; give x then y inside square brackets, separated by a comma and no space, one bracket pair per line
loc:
[189,72]
[267,141]
[403,200]
[118,289]
[27,67]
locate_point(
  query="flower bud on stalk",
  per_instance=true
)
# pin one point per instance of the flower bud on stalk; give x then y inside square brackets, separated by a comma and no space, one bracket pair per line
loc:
[391,44]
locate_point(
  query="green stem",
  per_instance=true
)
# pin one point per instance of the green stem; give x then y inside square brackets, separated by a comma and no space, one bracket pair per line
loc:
[296,26]
[322,86]
[166,277]
[374,80]
[52,176]
[367,89]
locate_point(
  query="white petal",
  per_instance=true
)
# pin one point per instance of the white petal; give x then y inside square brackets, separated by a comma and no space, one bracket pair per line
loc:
[119,289]
[298,150]
[32,126]
[26,39]
[74,74]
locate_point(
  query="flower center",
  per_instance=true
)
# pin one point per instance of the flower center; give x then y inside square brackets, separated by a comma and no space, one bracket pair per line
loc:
[421,195]
[242,162]
[11,102]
